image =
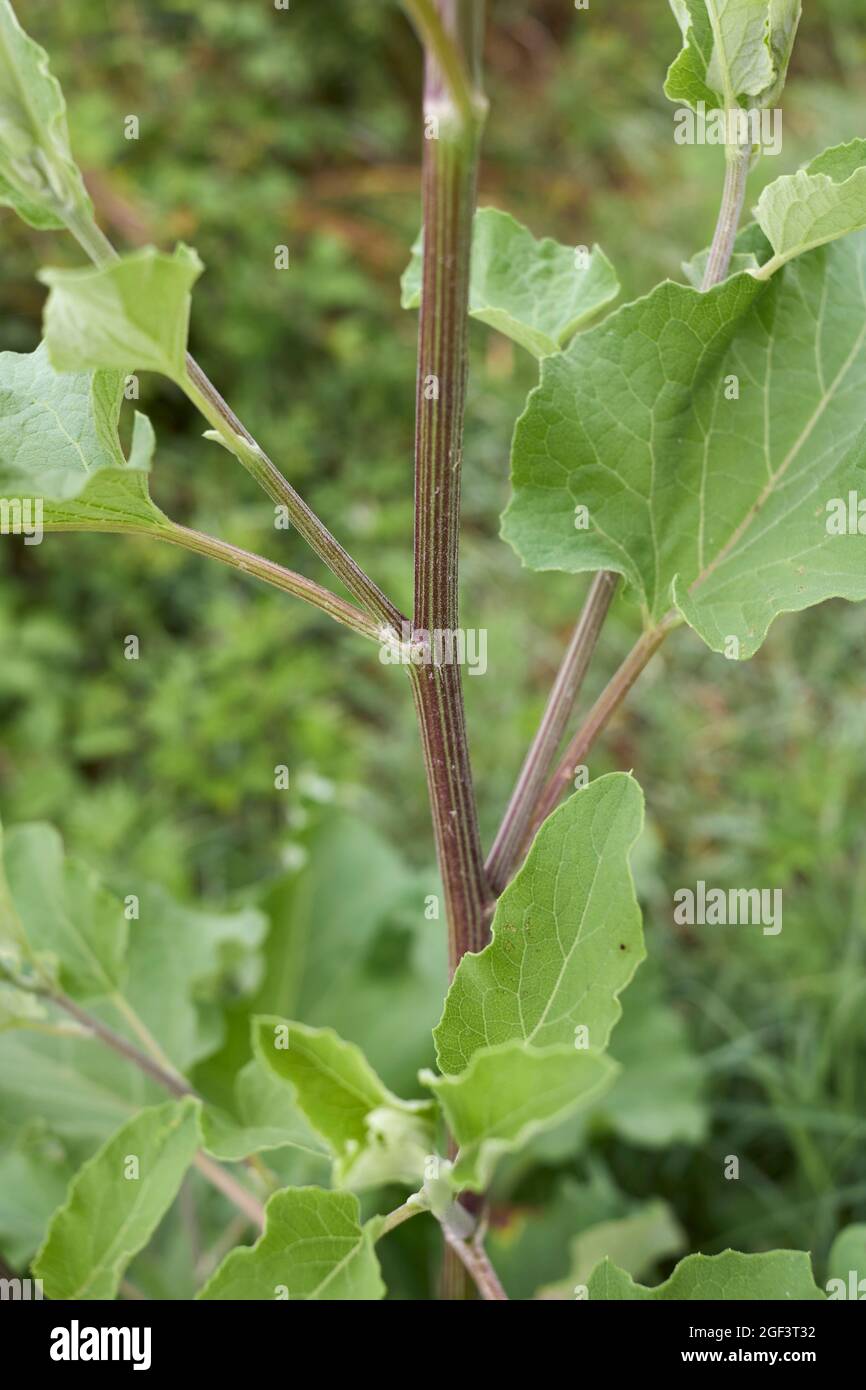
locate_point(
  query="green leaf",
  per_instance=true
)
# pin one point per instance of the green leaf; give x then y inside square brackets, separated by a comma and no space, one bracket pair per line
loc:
[780,1274]
[529,1241]
[735,52]
[116,1201]
[846,1264]
[56,430]
[635,1243]
[130,315]
[34,1178]
[313,1248]
[20,1009]
[537,292]
[80,1088]
[59,444]
[818,204]
[566,935]
[115,499]
[38,176]
[509,1093]
[181,961]
[265,1118]
[66,912]
[367,963]
[713,503]
[375,1137]
[14,947]
[178,965]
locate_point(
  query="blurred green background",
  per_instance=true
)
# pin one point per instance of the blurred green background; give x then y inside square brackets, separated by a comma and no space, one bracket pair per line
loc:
[261,127]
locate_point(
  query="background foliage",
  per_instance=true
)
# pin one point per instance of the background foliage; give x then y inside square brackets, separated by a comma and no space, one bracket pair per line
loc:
[260,128]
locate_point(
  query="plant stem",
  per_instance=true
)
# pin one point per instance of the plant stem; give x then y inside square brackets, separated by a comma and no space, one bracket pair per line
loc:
[473,1257]
[449,183]
[169,1079]
[504,857]
[737,160]
[241,443]
[605,706]
[396,1217]
[271,573]
[437,38]
[244,560]
[229,1186]
[439,706]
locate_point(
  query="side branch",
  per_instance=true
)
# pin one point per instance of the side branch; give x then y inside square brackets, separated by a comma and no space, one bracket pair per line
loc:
[241,443]
[504,857]
[439,42]
[605,706]
[271,573]
[246,561]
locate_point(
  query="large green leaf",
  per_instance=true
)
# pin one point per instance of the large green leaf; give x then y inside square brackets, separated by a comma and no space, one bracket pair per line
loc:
[34,1178]
[116,1201]
[15,950]
[375,1137]
[705,434]
[735,52]
[846,1264]
[38,176]
[529,1241]
[566,935]
[19,1008]
[634,1243]
[181,962]
[265,1117]
[314,1248]
[66,912]
[778,1275]
[59,444]
[537,292]
[76,1086]
[167,984]
[657,1098]
[509,1093]
[818,204]
[56,429]
[161,964]
[368,963]
[130,315]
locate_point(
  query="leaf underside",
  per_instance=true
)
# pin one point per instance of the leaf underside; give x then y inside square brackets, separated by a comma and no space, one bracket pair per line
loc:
[706,502]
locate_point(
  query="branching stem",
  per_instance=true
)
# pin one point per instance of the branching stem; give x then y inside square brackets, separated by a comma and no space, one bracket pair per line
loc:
[605,706]
[271,573]
[504,857]
[241,443]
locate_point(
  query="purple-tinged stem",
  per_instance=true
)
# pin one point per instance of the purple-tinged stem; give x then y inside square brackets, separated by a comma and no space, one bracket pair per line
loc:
[505,856]
[451,148]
